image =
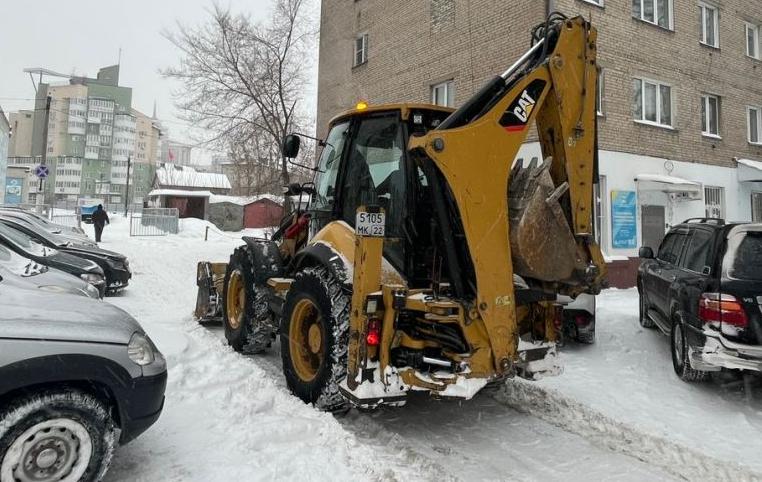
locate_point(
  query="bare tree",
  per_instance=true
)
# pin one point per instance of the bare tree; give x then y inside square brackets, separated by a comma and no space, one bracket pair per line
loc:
[255,165]
[243,80]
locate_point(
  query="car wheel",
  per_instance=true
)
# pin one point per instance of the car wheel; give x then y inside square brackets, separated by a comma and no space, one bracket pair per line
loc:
[645,321]
[57,435]
[314,338]
[680,356]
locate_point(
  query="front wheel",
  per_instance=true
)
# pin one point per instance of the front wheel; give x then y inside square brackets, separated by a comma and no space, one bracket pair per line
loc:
[61,435]
[680,356]
[314,337]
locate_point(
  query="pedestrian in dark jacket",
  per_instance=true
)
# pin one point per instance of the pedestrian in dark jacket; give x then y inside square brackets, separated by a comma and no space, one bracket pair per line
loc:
[100,219]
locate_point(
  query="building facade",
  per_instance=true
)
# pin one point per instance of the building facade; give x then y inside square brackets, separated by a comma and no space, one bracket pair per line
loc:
[93,133]
[5,130]
[679,98]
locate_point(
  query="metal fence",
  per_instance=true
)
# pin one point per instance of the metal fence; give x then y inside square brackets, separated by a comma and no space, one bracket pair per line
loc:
[155,222]
[71,220]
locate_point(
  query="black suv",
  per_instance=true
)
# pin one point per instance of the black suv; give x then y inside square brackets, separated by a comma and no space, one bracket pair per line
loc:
[704,290]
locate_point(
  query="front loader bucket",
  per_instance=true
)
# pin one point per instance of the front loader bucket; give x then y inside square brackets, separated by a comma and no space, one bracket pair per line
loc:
[542,243]
[210,278]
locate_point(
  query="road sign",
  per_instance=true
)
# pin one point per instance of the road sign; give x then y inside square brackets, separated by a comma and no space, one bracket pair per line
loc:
[41,171]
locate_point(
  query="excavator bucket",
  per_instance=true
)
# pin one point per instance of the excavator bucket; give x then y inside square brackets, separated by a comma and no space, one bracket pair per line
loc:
[542,244]
[210,279]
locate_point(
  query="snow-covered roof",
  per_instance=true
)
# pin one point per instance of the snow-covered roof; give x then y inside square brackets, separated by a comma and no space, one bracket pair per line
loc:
[664,183]
[179,193]
[184,176]
[244,200]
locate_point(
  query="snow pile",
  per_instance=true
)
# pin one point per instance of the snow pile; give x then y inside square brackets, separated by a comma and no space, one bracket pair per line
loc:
[173,175]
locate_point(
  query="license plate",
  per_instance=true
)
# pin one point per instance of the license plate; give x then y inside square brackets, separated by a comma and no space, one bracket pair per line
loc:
[370,224]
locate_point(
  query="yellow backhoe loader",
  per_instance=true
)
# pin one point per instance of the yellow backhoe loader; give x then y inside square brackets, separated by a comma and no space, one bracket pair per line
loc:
[429,257]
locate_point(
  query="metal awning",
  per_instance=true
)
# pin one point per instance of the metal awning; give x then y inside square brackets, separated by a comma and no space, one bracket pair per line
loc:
[668,184]
[749,171]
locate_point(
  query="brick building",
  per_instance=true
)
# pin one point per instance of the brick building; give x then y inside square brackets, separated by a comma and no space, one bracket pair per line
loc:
[680,93]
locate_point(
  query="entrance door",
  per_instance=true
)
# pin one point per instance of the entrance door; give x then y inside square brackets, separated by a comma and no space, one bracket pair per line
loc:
[653,222]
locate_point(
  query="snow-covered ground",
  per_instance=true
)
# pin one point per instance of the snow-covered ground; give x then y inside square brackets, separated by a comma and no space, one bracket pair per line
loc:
[617,412]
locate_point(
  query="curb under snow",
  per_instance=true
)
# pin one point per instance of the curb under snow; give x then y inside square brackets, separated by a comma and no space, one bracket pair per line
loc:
[602,430]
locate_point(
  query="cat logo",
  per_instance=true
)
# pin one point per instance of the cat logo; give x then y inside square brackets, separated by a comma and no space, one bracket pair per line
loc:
[524,109]
[516,117]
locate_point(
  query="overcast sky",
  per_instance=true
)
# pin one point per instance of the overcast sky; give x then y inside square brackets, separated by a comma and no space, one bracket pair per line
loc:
[83,35]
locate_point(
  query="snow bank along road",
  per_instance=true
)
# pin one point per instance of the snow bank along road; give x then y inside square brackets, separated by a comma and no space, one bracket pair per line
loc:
[230,417]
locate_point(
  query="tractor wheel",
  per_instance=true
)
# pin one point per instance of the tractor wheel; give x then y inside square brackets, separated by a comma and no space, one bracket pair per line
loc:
[244,306]
[314,337]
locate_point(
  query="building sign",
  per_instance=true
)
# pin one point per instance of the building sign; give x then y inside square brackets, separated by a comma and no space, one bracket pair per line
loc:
[13,187]
[624,230]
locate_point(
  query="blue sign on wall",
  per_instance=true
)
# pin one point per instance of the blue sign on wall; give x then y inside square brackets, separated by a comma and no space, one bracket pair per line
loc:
[624,228]
[13,187]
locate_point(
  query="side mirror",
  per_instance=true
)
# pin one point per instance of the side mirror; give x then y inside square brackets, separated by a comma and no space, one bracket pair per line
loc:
[646,253]
[291,145]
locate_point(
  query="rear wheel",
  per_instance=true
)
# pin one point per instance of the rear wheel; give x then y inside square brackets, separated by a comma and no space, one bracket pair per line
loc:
[680,356]
[244,306]
[314,337]
[68,436]
[645,321]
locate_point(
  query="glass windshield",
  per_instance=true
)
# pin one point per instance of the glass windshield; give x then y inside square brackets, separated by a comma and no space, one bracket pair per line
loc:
[746,260]
[22,240]
[330,159]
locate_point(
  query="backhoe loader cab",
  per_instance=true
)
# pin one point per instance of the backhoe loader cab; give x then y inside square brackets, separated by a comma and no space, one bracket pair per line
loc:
[427,258]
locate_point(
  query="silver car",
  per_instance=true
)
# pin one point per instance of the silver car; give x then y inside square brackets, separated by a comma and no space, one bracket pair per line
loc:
[25,273]
[77,378]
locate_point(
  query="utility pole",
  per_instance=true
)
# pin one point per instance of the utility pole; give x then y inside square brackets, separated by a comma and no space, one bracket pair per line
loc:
[127,188]
[40,191]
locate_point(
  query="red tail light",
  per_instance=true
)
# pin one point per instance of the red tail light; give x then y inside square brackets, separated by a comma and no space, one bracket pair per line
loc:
[373,338]
[722,308]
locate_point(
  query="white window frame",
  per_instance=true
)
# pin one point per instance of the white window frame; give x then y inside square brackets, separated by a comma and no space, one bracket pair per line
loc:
[703,26]
[597,3]
[447,87]
[719,192]
[707,117]
[658,123]
[755,29]
[363,50]
[655,3]
[758,110]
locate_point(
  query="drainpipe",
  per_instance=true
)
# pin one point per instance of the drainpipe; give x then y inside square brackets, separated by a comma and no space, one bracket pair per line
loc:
[550,6]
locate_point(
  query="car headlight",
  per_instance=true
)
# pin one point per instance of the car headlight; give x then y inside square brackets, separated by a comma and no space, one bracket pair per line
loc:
[92,278]
[92,291]
[141,350]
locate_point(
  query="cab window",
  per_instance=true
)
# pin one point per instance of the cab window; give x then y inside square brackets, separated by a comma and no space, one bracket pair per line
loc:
[330,158]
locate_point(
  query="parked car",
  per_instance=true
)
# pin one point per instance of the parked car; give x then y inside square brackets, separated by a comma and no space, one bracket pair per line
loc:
[25,273]
[704,290]
[26,246]
[115,266]
[33,223]
[45,221]
[77,377]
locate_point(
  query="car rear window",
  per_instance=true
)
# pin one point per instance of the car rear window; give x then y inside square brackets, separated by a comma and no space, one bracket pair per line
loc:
[746,259]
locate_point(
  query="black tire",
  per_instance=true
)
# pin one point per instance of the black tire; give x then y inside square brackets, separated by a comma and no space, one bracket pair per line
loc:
[51,425]
[586,336]
[327,295]
[645,321]
[251,334]
[680,357]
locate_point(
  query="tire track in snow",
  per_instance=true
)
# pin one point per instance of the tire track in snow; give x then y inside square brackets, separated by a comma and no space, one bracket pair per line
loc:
[603,431]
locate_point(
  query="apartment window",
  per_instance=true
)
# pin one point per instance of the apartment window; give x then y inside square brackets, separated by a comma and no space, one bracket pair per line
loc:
[595,2]
[714,202]
[599,91]
[710,115]
[443,93]
[652,102]
[657,12]
[709,25]
[361,49]
[754,124]
[752,40]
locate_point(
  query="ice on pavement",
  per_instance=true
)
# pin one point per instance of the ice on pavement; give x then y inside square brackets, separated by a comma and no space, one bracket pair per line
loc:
[230,417]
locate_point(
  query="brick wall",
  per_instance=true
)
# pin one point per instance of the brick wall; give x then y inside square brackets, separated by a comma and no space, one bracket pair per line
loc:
[416,43]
